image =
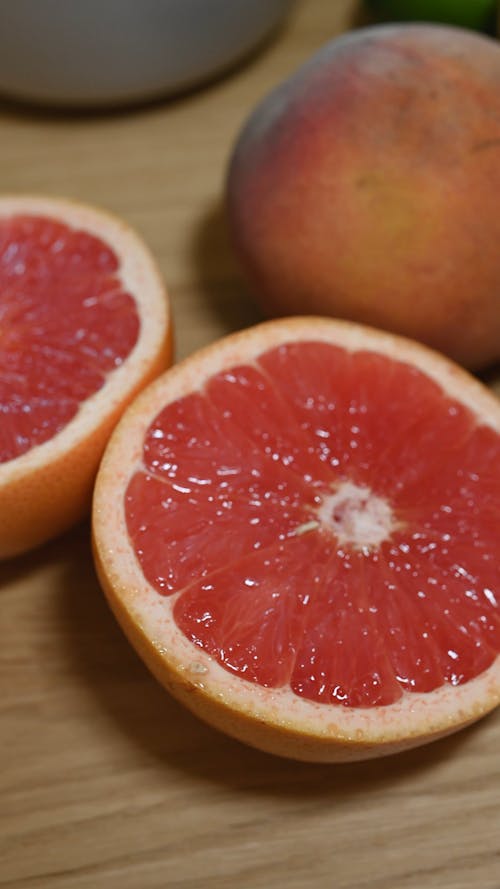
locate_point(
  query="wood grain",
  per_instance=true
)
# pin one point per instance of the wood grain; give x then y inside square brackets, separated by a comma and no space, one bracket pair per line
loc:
[106,782]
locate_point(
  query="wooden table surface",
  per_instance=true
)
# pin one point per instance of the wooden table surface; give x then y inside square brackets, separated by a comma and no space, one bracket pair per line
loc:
[106,782]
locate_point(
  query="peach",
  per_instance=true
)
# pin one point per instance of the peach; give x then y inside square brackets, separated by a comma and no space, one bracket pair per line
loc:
[367,186]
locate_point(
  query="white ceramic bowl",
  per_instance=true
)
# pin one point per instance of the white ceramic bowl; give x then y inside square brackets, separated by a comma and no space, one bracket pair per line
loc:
[91,52]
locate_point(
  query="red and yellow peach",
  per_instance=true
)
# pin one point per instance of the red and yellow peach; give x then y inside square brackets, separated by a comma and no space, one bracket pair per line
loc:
[367,186]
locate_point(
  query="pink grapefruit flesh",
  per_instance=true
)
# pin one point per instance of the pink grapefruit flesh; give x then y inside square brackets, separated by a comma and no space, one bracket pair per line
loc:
[84,325]
[66,322]
[317,519]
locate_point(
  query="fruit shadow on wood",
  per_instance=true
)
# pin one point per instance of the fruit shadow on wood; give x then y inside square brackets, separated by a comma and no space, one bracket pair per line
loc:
[222,290]
[100,659]
[491,378]
[362,16]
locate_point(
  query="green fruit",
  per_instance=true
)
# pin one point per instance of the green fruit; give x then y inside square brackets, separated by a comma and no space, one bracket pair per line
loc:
[477,14]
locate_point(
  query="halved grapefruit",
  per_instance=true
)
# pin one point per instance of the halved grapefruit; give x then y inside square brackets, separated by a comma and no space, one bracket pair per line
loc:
[297,528]
[84,324]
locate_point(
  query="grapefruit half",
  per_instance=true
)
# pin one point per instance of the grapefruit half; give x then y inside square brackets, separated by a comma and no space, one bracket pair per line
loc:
[297,528]
[84,324]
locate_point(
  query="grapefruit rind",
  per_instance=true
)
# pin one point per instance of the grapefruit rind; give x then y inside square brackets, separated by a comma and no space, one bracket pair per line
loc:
[275,720]
[49,488]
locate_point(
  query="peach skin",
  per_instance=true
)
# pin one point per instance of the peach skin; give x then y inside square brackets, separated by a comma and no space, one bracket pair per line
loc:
[367,187]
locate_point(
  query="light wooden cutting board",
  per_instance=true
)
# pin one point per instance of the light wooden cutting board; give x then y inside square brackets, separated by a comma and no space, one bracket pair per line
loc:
[105,781]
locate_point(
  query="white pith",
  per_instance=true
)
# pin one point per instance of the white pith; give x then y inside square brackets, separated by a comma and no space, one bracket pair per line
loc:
[359,518]
[139,277]
[414,714]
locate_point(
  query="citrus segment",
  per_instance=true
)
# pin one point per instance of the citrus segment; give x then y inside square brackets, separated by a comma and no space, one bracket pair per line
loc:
[319,520]
[66,322]
[250,616]
[84,324]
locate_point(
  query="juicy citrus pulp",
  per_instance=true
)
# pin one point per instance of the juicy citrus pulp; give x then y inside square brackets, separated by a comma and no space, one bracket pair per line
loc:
[302,523]
[84,324]
[66,322]
[318,518]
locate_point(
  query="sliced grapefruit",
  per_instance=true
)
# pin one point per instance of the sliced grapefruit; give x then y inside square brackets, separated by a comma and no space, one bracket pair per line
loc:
[84,324]
[298,530]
